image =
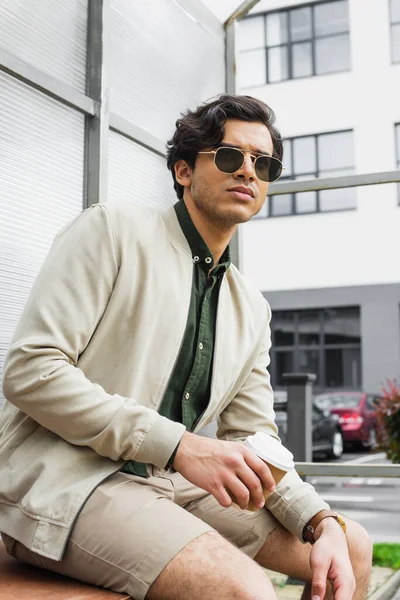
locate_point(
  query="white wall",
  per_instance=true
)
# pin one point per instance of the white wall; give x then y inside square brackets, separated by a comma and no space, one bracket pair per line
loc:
[345,248]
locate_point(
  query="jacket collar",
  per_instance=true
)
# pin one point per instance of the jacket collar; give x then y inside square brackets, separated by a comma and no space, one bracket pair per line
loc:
[183,232]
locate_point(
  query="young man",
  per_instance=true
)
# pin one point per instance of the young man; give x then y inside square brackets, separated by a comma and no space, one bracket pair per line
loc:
[138,333]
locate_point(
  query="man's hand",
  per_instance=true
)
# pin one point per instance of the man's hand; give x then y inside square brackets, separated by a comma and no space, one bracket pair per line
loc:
[329,560]
[224,469]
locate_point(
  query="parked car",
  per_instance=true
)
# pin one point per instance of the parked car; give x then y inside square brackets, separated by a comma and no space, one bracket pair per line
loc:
[327,437]
[357,415]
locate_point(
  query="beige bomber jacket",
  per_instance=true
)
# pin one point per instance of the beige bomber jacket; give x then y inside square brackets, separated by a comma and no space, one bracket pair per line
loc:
[92,356]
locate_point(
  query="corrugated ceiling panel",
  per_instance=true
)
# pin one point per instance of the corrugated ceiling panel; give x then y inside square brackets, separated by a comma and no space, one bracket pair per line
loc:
[162,62]
[41,180]
[138,175]
[48,35]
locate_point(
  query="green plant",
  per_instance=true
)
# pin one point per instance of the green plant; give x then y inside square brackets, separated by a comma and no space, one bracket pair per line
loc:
[388,412]
[386,555]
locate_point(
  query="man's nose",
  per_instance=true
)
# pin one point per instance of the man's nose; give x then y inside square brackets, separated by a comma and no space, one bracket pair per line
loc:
[246,171]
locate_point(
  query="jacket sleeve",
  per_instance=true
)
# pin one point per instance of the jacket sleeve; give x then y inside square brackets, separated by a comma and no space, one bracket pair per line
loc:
[294,502]
[41,376]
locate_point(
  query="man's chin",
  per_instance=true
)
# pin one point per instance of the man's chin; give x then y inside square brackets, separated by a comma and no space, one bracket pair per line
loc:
[231,218]
[241,214]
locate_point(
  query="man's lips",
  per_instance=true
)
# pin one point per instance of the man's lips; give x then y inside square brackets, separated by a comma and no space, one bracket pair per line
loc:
[243,190]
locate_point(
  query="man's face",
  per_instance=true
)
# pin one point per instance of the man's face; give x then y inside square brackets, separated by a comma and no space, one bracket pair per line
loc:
[217,196]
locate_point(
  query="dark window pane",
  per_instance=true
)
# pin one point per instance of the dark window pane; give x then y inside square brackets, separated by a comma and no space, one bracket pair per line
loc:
[396,43]
[277,29]
[278,64]
[306,202]
[332,54]
[309,327]
[282,325]
[343,368]
[304,155]
[302,60]
[332,17]
[340,199]
[300,24]
[281,205]
[309,362]
[335,150]
[252,68]
[342,325]
[251,33]
[284,364]
[395,11]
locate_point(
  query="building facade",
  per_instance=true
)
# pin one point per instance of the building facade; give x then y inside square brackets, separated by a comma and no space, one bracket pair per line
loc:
[328,261]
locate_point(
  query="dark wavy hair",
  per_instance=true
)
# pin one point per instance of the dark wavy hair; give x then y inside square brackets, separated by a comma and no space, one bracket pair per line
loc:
[204,128]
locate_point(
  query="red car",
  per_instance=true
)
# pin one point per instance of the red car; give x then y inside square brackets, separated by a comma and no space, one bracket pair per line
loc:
[357,416]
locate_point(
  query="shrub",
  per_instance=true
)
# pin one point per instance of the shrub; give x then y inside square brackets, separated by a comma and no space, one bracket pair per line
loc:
[387,555]
[389,417]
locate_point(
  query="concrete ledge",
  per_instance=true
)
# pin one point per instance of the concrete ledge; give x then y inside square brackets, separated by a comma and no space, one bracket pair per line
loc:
[384,584]
[388,589]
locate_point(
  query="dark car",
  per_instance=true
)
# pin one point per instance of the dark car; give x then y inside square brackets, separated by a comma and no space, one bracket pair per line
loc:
[327,437]
[357,415]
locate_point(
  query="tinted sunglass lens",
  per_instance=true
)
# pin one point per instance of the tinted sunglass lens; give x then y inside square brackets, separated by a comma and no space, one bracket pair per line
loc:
[228,160]
[268,168]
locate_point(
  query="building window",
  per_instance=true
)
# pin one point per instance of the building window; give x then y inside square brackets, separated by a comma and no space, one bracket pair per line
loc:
[326,342]
[395,26]
[322,155]
[293,43]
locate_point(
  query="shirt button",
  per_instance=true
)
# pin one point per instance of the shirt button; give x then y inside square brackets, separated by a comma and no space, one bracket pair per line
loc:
[187,396]
[201,346]
[208,260]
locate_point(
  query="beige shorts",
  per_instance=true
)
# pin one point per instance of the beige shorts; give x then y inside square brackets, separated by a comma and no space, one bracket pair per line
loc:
[131,527]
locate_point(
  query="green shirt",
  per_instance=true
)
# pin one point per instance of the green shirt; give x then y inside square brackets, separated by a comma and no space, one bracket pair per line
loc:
[188,391]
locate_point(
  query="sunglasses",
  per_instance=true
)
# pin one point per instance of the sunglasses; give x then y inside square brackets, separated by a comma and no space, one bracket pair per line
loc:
[230,160]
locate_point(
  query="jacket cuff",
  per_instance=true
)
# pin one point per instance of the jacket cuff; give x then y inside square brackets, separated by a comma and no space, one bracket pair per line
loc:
[294,503]
[172,458]
[160,442]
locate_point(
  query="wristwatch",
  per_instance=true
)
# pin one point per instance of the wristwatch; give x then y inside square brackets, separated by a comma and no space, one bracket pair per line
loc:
[309,529]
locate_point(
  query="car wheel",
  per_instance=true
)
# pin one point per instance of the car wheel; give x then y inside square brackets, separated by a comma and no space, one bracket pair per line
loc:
[372,441]
[336,449]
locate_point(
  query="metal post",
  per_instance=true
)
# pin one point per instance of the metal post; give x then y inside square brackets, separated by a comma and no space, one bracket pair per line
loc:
[231,88]
[97,83]
[299,414]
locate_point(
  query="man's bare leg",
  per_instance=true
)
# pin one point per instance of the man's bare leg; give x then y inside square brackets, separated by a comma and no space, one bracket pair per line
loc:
[284,553]
[210,567]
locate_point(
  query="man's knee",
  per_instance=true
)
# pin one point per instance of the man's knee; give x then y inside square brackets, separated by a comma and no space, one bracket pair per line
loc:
[360,548]
[211,563]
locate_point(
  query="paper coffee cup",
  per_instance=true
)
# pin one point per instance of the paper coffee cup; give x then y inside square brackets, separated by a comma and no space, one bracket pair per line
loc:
[278,458]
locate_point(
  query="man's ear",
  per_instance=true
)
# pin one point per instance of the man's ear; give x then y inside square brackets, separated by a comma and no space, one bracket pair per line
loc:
[183,173]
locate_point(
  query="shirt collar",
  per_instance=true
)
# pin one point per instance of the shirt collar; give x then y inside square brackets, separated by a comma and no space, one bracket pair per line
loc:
[201,253]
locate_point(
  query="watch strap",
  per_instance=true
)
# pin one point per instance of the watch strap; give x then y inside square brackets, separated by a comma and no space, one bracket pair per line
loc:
[310,527]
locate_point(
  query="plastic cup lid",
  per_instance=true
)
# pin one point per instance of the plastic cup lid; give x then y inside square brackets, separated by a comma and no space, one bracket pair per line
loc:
[270,450]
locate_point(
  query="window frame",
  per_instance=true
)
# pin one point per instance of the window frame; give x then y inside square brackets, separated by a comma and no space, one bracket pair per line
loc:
[290,42]
[392,24]
[321,346]
[271,199]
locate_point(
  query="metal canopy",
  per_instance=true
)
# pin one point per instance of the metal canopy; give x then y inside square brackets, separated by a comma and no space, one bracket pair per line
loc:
[229,10]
